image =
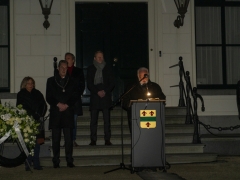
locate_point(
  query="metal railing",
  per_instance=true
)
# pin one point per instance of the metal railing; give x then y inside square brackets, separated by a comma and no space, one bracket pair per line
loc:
[185,95]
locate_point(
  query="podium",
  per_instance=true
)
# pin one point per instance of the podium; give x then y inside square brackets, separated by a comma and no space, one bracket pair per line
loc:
[148,133]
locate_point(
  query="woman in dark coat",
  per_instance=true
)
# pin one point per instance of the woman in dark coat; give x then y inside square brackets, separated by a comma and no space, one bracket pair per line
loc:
[100,82]
[34,103]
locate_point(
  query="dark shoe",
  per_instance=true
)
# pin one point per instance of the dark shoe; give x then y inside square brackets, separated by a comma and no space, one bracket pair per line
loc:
[71,165]
[56,166]
[75,144]
[38,168]
[108,143]
[92,143]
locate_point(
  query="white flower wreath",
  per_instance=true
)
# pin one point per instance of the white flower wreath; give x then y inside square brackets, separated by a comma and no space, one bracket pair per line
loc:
[14,119]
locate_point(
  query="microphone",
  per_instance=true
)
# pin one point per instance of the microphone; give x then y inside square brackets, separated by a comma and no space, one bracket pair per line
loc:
[144,76]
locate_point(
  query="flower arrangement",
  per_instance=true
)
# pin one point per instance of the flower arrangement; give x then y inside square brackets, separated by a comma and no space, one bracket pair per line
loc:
[10,116]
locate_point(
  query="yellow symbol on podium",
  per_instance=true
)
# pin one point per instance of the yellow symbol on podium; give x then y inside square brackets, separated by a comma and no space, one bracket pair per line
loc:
[148,119]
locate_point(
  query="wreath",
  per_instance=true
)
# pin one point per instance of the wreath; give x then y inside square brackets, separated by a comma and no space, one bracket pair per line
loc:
[17,126]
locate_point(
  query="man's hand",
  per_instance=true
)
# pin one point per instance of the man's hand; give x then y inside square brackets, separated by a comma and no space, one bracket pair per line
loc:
[62,107]
[101,93]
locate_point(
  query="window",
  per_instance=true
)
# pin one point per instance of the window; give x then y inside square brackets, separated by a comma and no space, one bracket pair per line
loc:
[217,43]
[4,46]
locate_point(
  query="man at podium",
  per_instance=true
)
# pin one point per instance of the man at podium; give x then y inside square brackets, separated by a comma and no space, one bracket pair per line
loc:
[143,89]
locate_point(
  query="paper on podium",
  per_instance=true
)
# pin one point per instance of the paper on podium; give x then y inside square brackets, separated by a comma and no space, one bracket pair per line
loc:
[146,100]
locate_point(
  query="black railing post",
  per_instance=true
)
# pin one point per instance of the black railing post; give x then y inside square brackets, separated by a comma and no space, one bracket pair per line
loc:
[188,99]
[196,137]
[181,85]
[55,66]
[238,98]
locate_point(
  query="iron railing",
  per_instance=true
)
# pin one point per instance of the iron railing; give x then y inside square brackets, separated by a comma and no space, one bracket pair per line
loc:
[185,95]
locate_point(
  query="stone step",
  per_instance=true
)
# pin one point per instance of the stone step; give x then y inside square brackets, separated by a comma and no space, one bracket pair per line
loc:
[115,129]
[178,148]
[178,138]
[175,119]
[117,111]
[117,159]
[190,158]
[101,150]
[88,161]
[173,125]
[117,140]
[116,120]
[179,128]
[222,144]
[175,110]
[220,137]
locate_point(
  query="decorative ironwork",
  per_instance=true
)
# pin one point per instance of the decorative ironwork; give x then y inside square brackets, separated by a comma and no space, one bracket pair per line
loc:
[181,84]
[46,11]
[196,137]
[182,6]
[189,117]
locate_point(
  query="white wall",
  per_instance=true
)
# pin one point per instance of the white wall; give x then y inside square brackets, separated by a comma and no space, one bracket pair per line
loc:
[33,47]
[176,42]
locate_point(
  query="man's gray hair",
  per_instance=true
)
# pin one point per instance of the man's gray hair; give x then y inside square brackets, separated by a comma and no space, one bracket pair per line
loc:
[142,69]
[71,54]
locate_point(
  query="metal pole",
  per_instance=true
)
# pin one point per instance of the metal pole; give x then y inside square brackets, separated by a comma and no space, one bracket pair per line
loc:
[188,100]
[181,85]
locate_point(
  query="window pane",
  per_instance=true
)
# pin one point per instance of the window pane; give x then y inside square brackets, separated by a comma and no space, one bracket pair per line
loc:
[209,65]
[233,64]
[3,25]
[232,25]
[4,67]
[208,25]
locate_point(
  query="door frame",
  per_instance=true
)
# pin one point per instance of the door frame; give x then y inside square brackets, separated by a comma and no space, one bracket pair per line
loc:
[154,32]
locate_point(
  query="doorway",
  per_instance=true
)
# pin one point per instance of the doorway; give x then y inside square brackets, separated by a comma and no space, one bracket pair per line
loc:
[120,30]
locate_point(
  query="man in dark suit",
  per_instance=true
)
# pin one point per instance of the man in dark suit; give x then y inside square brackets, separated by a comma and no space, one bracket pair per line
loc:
[62,94]
[144,88]
[77,74]
[100,82]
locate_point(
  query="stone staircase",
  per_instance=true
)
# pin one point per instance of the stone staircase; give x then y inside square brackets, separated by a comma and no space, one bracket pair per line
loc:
[178,142]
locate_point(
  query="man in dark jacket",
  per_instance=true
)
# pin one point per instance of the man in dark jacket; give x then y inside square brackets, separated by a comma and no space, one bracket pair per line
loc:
[62,94]
[100,82]
[77,74]
[142,89]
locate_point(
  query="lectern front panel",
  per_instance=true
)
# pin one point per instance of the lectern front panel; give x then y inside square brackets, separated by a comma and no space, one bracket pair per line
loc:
[148,134]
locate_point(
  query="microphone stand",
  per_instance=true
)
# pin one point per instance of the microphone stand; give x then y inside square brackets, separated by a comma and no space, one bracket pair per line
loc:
[120,98]
[122,165]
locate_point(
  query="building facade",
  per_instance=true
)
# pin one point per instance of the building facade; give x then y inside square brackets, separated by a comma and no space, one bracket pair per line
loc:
[32,47]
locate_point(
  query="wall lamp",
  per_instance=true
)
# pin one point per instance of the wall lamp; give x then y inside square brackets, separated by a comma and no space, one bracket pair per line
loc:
[46,10]
[182,6]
